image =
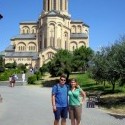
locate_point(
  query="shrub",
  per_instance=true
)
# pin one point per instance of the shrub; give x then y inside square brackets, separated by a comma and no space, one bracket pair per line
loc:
[38,75]
[2,69]
[5,75]
[21,67]
[9,65]
[32,79]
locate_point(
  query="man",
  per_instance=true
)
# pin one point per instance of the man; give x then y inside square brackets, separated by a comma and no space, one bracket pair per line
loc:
[60,101]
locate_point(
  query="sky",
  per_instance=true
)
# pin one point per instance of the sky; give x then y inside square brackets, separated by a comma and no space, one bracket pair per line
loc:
[106,19]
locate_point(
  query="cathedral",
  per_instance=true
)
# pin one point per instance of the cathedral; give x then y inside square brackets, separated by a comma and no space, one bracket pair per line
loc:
[39,40]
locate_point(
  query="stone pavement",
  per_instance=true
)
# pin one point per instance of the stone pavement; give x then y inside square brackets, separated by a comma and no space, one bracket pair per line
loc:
[27,105]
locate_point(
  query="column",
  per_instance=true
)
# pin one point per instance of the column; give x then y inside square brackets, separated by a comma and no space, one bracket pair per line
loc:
[43,39]
[66,5]
[55,35]
[63,5]
[46,5]
[52,4]
[59,5]
[48,36]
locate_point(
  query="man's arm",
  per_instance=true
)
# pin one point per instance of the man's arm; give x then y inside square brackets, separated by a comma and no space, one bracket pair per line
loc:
[53,103]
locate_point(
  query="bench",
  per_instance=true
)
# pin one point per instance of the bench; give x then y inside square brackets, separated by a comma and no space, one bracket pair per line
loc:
[93,99]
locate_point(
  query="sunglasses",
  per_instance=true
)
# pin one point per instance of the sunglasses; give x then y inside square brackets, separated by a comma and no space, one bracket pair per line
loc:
[62,79]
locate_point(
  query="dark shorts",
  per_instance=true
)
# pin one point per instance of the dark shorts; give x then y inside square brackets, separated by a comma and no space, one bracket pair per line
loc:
[61,112]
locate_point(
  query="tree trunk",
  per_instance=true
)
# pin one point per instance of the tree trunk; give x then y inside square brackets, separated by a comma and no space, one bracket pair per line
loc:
[67,78]
[104,83]
[113,86]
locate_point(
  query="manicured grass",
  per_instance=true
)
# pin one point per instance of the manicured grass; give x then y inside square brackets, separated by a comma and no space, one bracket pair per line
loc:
[83,79]
[89,84]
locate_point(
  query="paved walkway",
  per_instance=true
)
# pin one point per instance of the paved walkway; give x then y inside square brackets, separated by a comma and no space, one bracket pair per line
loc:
[24,105]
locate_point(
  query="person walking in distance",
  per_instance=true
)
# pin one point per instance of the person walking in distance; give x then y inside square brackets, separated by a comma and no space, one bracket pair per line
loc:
[60,101]
[10,80]
[13,80]
[75,107]
[23,77]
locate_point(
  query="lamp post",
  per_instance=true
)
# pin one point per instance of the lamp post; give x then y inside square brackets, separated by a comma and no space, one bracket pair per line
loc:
[1,16]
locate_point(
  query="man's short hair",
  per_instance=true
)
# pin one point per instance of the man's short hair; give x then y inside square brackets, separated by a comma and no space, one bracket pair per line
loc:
[63,76]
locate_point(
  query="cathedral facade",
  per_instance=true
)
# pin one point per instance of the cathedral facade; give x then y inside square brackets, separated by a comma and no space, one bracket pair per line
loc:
[39,40]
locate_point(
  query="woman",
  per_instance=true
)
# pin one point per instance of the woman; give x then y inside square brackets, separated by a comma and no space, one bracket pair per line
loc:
[75,94]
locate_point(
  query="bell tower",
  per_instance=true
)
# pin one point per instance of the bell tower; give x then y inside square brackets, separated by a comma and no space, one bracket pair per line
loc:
[60,6]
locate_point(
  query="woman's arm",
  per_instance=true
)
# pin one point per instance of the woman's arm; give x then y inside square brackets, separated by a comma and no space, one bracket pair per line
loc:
[83,94]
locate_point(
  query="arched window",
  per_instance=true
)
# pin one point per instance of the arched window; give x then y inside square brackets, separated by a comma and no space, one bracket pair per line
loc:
[50,55]
[73,45]
[27,31]
[73,29]
[32,46]
[52,35]
[66,40]
[79,29]
[32,30]
[23,31]
[59,43]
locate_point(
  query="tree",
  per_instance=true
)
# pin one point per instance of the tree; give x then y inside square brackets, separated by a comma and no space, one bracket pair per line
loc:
[14,64]
[81,57]
[109,64]
[44,68]
[61,63]
[2,69]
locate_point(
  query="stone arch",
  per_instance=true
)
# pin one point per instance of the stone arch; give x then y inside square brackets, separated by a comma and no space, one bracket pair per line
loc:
[66,39]
[73,45]
[59,24]
[32,46]
[82,43]
[52,23]
[21,46]
[79,29]
[33,29]
[26,30]
[86,30]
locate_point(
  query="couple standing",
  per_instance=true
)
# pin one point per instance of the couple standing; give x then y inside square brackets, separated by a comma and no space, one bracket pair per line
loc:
[67,98]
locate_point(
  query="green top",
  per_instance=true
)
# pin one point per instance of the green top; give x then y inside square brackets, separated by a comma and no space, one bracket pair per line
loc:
[74,97]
